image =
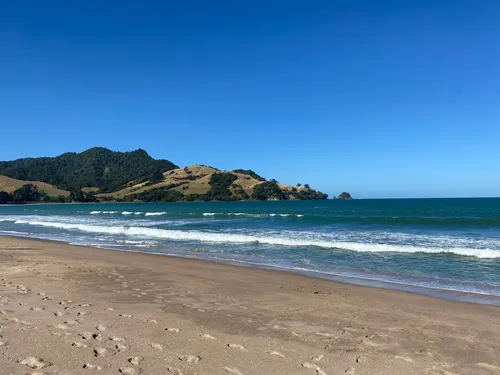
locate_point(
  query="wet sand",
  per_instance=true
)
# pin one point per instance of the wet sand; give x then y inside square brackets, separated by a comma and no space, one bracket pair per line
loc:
[77,310]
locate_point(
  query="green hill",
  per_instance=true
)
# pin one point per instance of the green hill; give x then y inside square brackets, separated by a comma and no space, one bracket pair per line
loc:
[97,167]
[202,183]
[105,175]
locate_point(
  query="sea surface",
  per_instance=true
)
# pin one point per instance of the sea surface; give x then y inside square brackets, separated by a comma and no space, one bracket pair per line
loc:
[448,248]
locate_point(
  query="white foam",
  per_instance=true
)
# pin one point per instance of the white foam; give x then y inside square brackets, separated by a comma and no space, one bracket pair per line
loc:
[95,212]
[127,213]
[280,239]
[154,213]
[249,214]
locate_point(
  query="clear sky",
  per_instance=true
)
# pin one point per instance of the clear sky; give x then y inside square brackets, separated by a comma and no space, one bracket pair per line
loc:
[378,98]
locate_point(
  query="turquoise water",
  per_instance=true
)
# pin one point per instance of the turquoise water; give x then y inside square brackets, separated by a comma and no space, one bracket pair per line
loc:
[444,247]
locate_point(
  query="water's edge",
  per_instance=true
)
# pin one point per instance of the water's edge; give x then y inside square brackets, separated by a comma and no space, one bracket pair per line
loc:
[453,295]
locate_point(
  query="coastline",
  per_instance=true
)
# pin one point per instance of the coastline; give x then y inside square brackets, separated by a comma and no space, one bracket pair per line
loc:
[211,318]
[362,281]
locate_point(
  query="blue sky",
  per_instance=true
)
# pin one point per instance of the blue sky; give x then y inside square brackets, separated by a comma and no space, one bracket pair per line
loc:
[378,98]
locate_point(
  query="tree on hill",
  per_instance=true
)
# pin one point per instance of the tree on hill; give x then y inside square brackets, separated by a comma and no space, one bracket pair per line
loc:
[268,191]
[5,197]
[220,183]
[250,173]
[81,197]
[27,193]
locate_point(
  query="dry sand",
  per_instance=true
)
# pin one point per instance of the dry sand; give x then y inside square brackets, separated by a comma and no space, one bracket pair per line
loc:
[76,310]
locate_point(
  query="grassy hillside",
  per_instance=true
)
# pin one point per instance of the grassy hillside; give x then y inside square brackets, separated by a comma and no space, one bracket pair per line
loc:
[135,176]
[9,185]
[207,183]
[98,168]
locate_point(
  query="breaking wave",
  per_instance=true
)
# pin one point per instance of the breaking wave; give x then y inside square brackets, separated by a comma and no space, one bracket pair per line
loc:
[295,239]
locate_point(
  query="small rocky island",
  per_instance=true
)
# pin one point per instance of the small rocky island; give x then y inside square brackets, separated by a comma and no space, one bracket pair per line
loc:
[344,196]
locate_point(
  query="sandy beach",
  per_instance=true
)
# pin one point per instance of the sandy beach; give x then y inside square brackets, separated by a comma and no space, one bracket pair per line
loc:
[77,310]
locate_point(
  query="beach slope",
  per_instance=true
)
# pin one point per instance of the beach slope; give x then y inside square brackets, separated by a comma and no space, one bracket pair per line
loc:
[76,310]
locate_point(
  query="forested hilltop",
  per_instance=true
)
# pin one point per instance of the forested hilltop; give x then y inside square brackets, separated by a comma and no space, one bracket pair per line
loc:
[99,174]
[97,167]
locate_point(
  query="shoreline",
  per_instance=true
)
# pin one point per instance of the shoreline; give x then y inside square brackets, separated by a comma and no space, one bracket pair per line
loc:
[127,312]
[440,293]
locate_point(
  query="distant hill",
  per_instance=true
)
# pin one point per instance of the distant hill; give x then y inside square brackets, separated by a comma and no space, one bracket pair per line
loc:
[97,167]
[10,185]
[204,183]
[106,175]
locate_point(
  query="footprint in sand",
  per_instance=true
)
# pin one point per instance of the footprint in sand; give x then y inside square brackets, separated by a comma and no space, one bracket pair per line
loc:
[174,370]
[208,337]
[58,313]
[89,366]
[127,370]
[233,371]
[317,358]
[60,333]
[100,327]
[156,346]
[350,371]
[361,359]
[314,367]
[110,309]
[236,346]
[115,338]
[172,329]
[97,336]
[61,326]
[403,358]
[135,360]
[189,358]
[85,335]
[120,347]
[125,315]
[276,353]
[99,352]
[34,363]
[79,345]
[325,334]
[368,342]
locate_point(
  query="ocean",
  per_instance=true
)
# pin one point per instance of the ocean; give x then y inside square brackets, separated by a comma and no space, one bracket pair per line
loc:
[448,248]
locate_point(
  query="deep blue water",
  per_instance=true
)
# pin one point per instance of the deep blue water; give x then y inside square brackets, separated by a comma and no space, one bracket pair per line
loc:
[445,247]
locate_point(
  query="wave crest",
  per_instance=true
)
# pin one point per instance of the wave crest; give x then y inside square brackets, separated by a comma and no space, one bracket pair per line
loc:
[278,240]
